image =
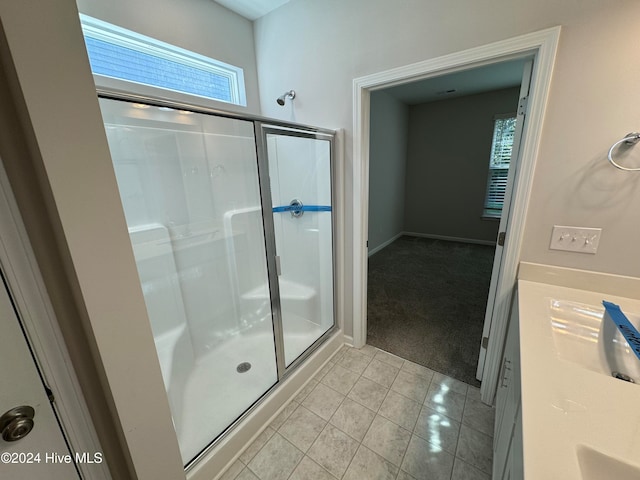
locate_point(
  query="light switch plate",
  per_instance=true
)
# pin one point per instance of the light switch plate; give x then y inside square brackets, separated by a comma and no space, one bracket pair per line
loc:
[575,239]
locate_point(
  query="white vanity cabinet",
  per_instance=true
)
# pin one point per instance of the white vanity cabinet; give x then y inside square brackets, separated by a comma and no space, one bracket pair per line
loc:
[507,440]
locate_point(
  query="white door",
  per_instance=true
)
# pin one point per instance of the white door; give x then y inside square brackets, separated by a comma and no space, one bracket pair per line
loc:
[41,453]
[504,218]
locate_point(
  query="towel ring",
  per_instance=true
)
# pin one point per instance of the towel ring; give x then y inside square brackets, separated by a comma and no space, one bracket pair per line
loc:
[629,139]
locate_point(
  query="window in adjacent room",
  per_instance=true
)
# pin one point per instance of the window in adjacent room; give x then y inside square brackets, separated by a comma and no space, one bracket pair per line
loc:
[503,133]
[118,53]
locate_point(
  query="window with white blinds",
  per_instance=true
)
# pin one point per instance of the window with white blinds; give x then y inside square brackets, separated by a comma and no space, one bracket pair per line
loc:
[503,133]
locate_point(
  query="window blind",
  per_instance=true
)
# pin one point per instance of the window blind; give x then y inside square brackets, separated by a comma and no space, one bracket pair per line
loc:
[501,148]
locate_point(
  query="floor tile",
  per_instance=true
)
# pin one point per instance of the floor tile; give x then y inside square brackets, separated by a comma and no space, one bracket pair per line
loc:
[257,444]
[246,474]
[333,450]
[425,461]
[411,385]
[475,448]
[473,393]
[368,350]
[479,416]
[323,401]
[340,379]
[354,361]
[302,428]
[369,415]
[387,439]
[307,469]
[416,369]
[400,410]
[452,384]
[277,422]
[233,471]
[306,390]
[437,429]
[277,459]
[353,419]
[389,358]
[463,471]
[404,476]
[381,373]
[369,465]
[344,349]
[324,370]
[368,393]
[445,401]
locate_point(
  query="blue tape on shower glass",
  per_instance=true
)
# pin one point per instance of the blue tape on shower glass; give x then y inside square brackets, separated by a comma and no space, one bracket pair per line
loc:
[305,208]
[627,330]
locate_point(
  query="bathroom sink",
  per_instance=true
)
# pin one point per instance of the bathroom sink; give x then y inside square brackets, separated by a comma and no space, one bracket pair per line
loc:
[581,336]
[595,465]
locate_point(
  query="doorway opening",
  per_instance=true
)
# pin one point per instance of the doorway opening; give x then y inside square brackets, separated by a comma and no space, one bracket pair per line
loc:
[440,151]
[542,46]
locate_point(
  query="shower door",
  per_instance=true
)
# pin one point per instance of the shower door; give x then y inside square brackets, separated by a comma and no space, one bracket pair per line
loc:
[299,169]
[190,191]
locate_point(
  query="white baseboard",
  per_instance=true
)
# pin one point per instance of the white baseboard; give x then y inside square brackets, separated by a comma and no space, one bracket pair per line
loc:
[450,239]
[348,340]
[385,244]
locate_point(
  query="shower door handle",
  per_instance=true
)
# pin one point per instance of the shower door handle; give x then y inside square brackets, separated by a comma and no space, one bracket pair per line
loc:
[278,267]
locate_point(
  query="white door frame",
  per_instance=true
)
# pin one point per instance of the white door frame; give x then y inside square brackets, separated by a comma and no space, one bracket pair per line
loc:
[543,46]
[36,315]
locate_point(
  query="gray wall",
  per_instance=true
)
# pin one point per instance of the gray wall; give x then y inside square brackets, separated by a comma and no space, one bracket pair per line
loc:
[448,164]
[201,26]
[388,146]
[319,46]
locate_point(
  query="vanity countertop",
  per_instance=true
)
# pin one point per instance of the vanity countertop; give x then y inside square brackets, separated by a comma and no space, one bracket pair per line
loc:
[573,416]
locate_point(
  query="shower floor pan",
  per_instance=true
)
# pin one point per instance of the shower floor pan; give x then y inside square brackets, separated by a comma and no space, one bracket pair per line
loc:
[216,393]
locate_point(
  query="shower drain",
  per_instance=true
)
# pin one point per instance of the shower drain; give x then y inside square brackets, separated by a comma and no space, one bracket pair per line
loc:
[243,367]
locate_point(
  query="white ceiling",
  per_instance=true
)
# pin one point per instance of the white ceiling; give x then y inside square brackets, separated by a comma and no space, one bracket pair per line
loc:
[252,9]
[468,82]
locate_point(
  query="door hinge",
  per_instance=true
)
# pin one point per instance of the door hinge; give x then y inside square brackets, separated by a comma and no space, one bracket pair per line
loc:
[50,394]
[485,342]
[522,105]
[367,243]
[501,238]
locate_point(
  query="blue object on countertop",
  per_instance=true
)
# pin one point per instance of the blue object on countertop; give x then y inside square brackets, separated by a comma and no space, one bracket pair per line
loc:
[627,330]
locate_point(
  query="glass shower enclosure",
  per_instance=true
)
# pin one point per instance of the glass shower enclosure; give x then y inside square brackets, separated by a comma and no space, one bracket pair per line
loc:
[231,224]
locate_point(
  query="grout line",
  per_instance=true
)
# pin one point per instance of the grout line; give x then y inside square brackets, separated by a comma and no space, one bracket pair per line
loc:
[296,466]
[351,461]
[365,434]
[403,456]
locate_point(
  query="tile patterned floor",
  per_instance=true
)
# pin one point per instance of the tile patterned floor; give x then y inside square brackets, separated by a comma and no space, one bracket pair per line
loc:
[371,415]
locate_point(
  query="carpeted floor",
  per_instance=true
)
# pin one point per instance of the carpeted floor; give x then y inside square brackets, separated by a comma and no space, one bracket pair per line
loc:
[427,300]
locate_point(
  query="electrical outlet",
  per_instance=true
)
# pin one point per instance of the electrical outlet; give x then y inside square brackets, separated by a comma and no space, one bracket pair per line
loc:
[575,239]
